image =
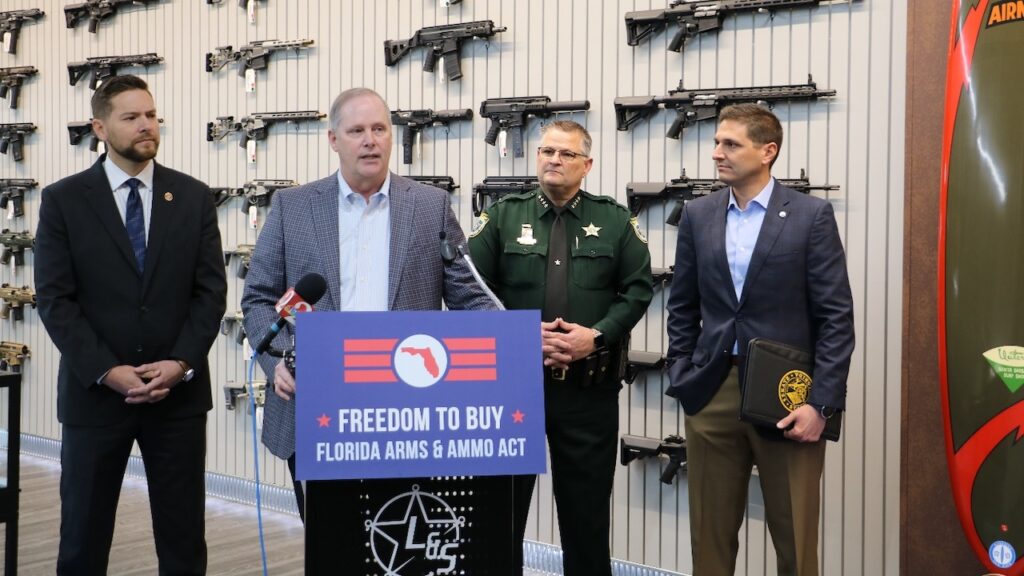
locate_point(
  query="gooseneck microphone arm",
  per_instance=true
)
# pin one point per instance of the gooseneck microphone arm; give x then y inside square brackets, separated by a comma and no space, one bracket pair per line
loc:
[449,253]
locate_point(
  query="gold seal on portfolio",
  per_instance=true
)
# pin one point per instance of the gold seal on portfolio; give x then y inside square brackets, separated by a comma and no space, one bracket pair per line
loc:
[793,389]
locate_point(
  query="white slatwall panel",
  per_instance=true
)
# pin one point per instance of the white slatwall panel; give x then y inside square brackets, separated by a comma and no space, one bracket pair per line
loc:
[568,50]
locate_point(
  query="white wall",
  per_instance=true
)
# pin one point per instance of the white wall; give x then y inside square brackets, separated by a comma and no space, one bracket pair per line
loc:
[568,50]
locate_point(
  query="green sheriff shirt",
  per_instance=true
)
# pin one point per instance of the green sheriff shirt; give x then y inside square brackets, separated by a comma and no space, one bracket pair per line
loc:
[610,282]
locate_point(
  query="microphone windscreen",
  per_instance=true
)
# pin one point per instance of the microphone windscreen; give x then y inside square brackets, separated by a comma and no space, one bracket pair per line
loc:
[311,287]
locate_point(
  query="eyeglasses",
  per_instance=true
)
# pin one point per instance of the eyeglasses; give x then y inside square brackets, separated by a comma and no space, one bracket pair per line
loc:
[548,153]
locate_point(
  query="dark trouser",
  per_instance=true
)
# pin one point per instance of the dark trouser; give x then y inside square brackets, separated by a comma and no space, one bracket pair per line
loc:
[300,495]
[720,453]
[582,430]
[93,461]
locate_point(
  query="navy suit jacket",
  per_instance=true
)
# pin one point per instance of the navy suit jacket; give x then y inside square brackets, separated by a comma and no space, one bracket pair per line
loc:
[301,236]
[101,313]
[796,291]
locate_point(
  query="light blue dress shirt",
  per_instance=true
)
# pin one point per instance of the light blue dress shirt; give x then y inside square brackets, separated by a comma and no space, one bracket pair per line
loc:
[118,179]
[742,228]
[364,241]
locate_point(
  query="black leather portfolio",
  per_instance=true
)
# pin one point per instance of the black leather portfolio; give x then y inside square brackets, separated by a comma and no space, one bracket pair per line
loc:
[777,379]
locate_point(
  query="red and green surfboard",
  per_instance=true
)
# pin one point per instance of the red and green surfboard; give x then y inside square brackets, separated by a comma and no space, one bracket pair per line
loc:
[981,277]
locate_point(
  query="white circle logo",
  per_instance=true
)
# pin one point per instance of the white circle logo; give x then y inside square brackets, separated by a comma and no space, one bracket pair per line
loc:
[420,360]
[1002,554]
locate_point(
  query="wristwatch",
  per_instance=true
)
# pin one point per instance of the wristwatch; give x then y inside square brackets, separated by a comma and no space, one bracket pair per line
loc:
[599,342]
[190,372]
[825,411]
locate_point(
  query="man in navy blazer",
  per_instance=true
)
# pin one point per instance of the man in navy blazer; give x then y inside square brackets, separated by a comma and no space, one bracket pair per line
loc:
[129,275]
[373,235]
[756,259]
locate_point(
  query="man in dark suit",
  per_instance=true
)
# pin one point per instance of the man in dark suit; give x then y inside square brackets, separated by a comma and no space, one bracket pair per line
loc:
[755,260]
[130,284]
[371,234]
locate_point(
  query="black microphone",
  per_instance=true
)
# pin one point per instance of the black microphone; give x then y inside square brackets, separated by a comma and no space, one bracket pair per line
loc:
[448,253]
[307,291]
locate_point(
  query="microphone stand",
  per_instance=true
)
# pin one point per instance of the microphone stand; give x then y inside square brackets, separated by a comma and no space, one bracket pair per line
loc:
[449,253]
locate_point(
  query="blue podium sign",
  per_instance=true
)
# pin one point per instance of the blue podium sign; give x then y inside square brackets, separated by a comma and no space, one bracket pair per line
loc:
[414,394]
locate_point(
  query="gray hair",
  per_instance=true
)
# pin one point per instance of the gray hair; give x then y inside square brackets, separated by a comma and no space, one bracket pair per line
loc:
[570,126]
[335,113]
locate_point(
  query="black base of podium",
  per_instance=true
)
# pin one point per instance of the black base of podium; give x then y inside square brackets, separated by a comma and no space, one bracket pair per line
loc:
[410,527]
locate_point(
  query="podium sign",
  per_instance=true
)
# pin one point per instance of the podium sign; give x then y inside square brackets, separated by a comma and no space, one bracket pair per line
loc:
[418,394]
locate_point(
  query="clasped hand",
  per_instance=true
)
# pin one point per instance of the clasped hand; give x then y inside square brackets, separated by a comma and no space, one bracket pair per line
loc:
[144,384]
[564,342]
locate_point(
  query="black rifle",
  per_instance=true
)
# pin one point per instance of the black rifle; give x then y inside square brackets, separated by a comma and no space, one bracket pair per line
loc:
[254,55]
[510,115]
[494,187]
[662,276]
[12,354]
[14,301]
[244,253]
[15,244]
[13,190]
[96,10]
[416,120]
[446,183]
[448,3]
[223,194]
[639,447]
[255,126]
[694,18]
[78,131]
[440,41]
[13,136]
[10,25]
[638,361]
[11,80]
[684,189]
[103,67]
[258,192]
[692,106]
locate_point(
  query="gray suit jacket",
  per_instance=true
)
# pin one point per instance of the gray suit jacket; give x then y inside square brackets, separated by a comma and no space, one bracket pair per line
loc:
[796,291]
[300,236]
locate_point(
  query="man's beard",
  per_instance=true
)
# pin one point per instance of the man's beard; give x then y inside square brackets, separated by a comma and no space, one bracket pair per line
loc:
[130,152]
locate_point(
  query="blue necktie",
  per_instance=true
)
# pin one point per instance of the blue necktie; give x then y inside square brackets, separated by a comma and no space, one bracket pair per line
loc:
[136,224]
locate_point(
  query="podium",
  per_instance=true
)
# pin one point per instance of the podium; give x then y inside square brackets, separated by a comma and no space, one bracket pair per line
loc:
[9,484]
[409,427]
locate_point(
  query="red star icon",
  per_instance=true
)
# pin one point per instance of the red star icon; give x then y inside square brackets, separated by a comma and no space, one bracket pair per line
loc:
[324,420]
[518,416]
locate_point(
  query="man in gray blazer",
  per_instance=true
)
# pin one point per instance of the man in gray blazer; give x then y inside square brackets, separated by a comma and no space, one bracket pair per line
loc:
[755,260]
[373,235]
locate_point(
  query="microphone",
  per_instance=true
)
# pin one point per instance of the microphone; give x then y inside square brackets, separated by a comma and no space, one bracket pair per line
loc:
[307,291]
[449,253]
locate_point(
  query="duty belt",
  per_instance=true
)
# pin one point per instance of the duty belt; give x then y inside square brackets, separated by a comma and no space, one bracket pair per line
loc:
[585,371]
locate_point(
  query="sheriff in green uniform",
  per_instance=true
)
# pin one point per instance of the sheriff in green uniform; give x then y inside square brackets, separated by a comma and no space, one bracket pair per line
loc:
[581,260]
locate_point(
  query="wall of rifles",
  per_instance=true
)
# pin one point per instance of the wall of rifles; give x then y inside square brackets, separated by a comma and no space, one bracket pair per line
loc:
[568,50]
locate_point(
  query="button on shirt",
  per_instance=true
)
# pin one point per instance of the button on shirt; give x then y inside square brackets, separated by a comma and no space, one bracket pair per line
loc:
[741,230]
[364,241]
[118,183]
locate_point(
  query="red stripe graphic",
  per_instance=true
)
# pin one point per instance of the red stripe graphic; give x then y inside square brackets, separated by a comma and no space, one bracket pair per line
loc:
[359,376]
[469,343]
[370,345]
[458,374]
[478,359]
[367,360]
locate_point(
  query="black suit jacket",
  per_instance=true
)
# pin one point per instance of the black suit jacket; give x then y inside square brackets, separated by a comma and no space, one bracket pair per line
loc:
[796,291]
[100,313]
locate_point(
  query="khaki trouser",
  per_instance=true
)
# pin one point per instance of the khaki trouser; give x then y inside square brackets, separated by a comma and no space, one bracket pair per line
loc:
[720,453]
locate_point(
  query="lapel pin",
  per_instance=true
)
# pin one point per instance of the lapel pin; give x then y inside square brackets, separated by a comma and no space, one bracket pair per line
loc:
[782,214]
[168,196]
